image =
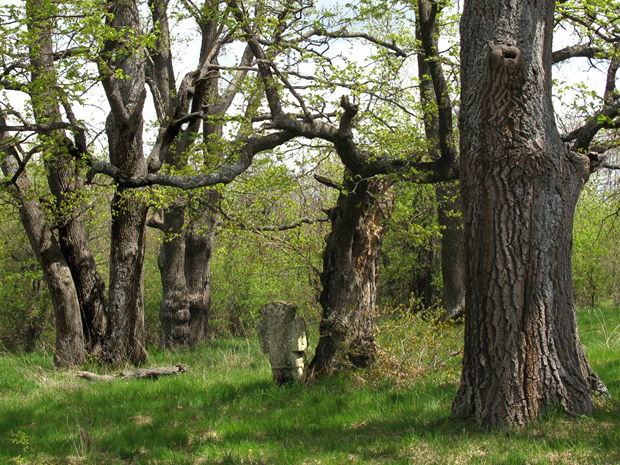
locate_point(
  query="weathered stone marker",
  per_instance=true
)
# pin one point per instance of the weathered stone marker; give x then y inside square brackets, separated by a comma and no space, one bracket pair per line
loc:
[283,337]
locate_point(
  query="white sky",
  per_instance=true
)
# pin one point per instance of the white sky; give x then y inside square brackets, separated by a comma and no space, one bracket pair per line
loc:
[572,73]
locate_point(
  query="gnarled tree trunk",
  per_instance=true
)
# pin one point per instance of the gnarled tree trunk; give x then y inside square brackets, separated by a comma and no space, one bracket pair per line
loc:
[174,306]
[349,276]
[520,184]
[200,239]
[185,268]
[189,230]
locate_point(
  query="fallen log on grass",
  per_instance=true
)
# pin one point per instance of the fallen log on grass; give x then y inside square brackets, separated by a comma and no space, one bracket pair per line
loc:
[152,373]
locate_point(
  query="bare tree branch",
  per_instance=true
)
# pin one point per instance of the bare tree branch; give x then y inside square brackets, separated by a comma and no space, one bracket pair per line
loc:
[574,51]
[33,127]
[343,34]
[274,228]
[327,182]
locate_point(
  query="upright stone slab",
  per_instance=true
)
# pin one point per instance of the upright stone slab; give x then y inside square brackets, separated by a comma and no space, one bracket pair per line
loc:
[283,337]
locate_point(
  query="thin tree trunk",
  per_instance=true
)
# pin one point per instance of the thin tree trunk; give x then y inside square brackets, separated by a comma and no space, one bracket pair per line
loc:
[520,183]
[349,277]
[449,216]
[449,201]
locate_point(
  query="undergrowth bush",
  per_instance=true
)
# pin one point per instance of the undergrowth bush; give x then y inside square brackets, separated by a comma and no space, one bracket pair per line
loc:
[27,317]
[414,344]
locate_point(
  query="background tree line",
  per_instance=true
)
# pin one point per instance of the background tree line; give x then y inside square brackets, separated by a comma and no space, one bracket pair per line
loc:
[250,268]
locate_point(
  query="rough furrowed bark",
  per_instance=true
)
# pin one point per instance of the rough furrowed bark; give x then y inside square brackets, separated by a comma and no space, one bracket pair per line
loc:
[521,185]
[125,335]
[89,284]
[350,261]
[64,181]
[198,278]
[69,348]
[124,126]
[174,311]
[185,268]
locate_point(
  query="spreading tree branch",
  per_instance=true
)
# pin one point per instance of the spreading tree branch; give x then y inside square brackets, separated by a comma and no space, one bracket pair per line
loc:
[224,175]
[341,136]
[327,182]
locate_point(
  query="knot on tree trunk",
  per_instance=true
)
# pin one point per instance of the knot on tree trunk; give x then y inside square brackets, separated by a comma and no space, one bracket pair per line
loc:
[502,98]
[508,58]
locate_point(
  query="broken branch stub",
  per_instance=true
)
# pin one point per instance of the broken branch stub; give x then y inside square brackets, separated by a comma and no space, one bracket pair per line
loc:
[283,337]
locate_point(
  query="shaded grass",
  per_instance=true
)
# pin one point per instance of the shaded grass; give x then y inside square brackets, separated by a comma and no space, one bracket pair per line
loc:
[226,410]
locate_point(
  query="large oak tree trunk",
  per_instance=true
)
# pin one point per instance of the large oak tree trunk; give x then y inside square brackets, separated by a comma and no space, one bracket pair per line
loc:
[124,126]
[174,306]
[199,245]
[349,276]
[125,335]
[520,184]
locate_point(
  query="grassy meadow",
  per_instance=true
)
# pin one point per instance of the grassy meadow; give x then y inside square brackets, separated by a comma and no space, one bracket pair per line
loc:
[226,410]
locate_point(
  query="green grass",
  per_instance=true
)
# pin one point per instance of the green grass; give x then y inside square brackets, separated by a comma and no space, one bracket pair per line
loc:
[226,410]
